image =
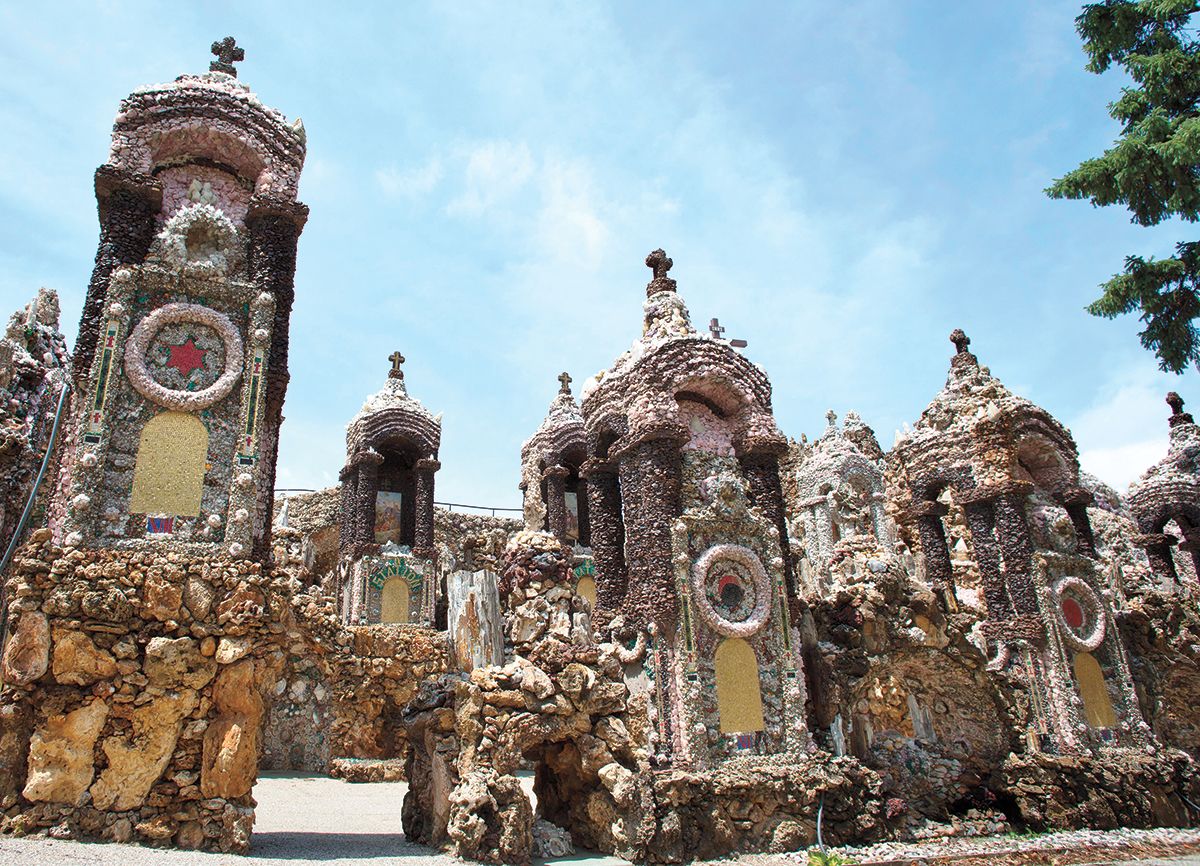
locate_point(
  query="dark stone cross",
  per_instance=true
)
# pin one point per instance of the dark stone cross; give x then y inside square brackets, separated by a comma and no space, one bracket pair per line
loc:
[659,263]
[960,340]
[228,53]
[565,382]
[397,359]
[716,329]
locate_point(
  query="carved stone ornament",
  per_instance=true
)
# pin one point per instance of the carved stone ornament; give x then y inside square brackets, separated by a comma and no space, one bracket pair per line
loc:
[200,239]
[732,590]
[1080,614]
[185,401]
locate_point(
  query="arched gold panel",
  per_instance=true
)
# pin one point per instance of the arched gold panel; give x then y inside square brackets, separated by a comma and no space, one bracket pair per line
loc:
[395,602]
[739,696]
[169,475]
[1097,705]
[587,588]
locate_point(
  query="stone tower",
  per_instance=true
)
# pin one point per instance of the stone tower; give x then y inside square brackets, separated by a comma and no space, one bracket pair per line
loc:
[386,551]
[181,359]
[689,539]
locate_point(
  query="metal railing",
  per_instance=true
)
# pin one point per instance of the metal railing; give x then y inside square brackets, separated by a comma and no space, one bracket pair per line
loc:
[449,505]
[20,529]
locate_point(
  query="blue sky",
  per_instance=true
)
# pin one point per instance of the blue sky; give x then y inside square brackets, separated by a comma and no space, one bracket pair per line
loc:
[842,184]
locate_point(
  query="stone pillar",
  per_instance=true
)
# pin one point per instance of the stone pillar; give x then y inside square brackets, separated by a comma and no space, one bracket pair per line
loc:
[1191,544]
[365,489]
[608,536]
[981,519]
[423,535]
[1017,551]
[348,531]
[938,569]
[585,523]
[556,500]
[273,227]
[128,205]
[766,492]
[652,469]
[1158,550]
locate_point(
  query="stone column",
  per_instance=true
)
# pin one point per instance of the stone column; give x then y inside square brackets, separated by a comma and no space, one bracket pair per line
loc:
[556,500]
[766,492]
[981,519]
[608,535]
[128,203]
[1017,551]
[273,227]
[1191,544]
[652,469]
[365,489]
[1158,550]
[423,536]
[348,532]
[938,569]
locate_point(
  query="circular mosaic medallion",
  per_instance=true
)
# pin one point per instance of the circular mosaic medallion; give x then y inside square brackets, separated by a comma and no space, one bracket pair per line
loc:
[1080,614]
[732,590]
[184,356]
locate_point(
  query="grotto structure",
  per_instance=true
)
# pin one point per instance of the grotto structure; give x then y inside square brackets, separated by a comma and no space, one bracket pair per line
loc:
[702,637]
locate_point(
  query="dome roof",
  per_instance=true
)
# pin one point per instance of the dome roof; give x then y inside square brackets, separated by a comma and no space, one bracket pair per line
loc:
[391,414]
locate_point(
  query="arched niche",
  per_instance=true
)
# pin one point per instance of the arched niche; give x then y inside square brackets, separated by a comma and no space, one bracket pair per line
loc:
[395,600]
[586,587]
[739,693]
[168,477]
[395,492]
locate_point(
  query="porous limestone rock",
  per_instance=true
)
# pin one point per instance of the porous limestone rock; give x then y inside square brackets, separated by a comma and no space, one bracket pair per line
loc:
[60,755]
[28,650]
[136,762]
[78,661]
[231,742]
[177,663]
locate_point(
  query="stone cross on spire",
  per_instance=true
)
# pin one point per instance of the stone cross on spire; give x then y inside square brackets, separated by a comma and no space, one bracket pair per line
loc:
[717,329]
[397,359]
[564,379]
[831,418]
[960,340]
[1178,416]
[228,53]
[660,263]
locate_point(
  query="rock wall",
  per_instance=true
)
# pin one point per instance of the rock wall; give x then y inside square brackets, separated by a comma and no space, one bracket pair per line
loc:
[34,368]
[142,687]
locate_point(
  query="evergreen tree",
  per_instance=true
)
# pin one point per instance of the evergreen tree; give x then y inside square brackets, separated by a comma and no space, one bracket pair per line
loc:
[1154,166]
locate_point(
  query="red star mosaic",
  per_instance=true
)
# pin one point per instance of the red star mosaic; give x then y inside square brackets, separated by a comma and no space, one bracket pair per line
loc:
[186,357]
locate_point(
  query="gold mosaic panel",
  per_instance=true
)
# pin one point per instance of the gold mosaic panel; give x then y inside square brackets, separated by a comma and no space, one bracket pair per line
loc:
[169,475]
[395,600]
[739,696]
[1097,704]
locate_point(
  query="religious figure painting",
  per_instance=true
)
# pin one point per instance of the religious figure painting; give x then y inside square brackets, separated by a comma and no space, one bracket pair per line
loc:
[387,516]
[572,515]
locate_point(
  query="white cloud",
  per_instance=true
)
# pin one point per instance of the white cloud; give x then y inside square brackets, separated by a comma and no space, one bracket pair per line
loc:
[495,171]
[1124,431]
[412,182]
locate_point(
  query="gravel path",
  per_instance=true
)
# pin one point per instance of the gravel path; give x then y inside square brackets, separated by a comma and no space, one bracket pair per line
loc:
[318,821]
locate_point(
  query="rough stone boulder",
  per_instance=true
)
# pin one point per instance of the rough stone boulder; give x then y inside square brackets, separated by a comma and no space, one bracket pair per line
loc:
[28,652]
[490,819]
[60,755]
[136,762]
[78,661]
[230,759]
[178,663]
